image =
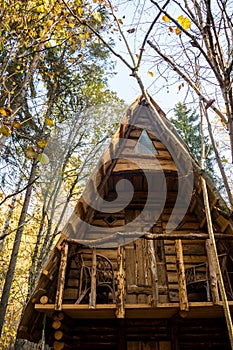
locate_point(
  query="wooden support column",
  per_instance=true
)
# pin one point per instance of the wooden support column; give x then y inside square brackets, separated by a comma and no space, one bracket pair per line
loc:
[61,277]
[154,273]
[226,308]
[120,312]
[212,272]
[184,306]
[92,299]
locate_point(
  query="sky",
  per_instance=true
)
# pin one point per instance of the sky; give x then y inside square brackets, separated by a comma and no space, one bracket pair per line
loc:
[125,85]
[128,89]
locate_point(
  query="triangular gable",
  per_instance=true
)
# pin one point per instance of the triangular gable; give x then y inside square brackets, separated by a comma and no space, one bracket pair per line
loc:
[145,145]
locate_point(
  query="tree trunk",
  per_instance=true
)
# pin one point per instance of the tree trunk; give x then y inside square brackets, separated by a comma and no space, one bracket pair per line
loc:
[14,254]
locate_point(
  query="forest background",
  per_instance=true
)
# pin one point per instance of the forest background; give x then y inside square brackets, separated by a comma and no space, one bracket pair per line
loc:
[57,110]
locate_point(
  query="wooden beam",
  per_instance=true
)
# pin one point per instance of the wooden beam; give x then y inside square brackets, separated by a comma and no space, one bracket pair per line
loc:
[61,277]
[154,273]
[212,272]
[92,299]
[151,236]
[184,306]
[120,312]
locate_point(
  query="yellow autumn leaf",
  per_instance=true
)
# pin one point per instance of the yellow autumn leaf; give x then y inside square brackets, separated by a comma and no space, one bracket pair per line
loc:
[5,130]
[8,111]
[40,9]
[49,122]
[16,124]
[18,67]
[97,16]
[31,153]
[80,11]
[3,111]
[151,74]
[166,18]
[184,22]
[71,25]
[86,35]
[178,31]
[42,143]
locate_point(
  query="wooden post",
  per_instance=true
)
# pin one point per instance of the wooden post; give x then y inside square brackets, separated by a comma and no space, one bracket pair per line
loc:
[212,272]
[92,299]
[154,273]
[216,261]
[184,306]
[120,312]
[61,277]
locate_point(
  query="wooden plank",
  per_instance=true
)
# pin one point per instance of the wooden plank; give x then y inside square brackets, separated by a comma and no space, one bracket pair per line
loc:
[164,311]
[184,306]
[140,258]
[193,249]
[212,272]
[192,259]
[120,312]
[61,277]
[154,273]
[145,163]
[130,267]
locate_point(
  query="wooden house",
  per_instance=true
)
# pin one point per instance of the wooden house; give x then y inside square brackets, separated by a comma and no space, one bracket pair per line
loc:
[142,266]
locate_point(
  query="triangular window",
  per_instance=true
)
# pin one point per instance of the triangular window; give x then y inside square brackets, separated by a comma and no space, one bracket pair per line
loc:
[145,145]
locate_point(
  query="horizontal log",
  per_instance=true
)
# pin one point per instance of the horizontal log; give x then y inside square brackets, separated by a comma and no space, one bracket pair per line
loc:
[189,236]
[139,289]
[147,235]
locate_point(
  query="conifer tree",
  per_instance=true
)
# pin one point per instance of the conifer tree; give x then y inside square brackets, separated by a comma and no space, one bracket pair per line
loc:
[187,123]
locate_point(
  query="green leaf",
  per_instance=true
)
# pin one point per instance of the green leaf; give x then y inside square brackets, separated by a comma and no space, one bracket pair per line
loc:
[43,159]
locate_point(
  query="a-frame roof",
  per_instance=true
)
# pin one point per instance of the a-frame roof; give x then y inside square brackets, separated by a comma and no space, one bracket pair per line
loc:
[164,198]
[171,160]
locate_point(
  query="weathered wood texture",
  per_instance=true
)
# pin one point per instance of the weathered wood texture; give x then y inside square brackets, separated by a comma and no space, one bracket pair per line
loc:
[120,312]
[184,306]
[144,271]
[61,277]
[212,273]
